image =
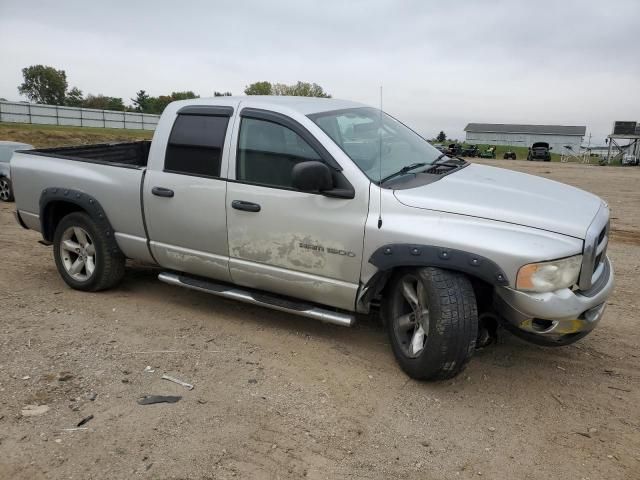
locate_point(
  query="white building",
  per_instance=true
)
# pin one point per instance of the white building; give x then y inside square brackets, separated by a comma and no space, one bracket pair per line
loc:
[557,136]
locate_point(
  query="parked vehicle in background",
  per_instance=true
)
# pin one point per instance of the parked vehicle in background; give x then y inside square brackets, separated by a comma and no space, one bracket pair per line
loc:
[454,150]
[6,152]
[469,151]
[539,151]
[509,154]
[442,148]
[327,208]
[488,153]
[630,160]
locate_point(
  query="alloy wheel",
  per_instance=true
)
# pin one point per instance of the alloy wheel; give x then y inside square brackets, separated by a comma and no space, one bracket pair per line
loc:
[5,189]
[78,253]
[411,326]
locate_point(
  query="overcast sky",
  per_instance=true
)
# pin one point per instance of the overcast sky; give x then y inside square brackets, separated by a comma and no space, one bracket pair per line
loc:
[441,64]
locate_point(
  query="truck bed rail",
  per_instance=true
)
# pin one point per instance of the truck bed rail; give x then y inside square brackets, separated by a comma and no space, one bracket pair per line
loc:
[128,155]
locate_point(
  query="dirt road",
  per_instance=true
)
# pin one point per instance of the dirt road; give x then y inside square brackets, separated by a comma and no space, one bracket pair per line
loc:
[278,396]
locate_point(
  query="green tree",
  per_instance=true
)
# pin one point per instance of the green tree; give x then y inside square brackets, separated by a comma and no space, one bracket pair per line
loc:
[43,84]
[103,102]
[183,95]
[300,89]
[441,136]
[157,104]
[222,94]
[259,88]
[141,102]
[146,104]
[74,98]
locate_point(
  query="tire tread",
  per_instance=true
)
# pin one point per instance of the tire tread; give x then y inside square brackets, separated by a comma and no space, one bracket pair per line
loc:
[456,316]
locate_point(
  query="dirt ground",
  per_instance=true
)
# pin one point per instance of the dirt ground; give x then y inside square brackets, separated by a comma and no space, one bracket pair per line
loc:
[277,396]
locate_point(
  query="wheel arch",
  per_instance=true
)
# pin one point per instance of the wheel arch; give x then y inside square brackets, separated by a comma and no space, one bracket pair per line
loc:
[484,273]
[56,203]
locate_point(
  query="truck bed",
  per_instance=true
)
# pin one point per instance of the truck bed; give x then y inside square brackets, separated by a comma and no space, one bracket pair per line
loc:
[129,155]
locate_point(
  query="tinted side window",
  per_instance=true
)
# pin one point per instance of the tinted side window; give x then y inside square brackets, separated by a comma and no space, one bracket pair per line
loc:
[267,153]
[195,145]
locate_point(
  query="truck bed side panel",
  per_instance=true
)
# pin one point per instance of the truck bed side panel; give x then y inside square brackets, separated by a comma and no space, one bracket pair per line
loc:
[116,189]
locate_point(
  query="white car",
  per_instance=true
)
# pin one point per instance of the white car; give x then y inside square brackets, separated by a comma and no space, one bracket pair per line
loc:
[6,152]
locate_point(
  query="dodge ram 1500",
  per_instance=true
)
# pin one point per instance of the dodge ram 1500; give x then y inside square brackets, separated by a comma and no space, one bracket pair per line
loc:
[327,208]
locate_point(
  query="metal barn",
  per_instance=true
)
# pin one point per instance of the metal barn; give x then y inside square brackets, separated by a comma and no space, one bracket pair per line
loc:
[557,136]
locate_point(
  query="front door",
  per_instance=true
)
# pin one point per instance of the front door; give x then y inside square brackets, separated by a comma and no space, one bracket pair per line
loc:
[300,244]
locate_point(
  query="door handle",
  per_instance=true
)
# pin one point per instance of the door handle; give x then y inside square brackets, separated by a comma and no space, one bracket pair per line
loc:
[245,206]
[162,192]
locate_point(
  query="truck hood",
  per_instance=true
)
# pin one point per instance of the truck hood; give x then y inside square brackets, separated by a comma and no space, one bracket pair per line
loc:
[507,196]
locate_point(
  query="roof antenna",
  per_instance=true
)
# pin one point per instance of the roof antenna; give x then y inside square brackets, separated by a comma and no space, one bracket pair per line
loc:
[380,164]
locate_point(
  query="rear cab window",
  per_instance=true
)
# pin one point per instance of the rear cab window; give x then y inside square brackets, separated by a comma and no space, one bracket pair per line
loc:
[195,145]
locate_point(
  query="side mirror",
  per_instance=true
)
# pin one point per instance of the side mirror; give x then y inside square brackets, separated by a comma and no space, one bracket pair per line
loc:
[311,176]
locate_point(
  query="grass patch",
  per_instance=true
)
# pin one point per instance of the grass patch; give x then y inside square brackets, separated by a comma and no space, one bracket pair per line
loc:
[43,136]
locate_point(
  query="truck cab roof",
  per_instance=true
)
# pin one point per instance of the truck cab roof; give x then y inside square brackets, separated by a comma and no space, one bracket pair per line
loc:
[302,105]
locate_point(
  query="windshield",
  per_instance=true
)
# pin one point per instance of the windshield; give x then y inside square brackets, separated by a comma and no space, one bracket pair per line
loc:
[361,135]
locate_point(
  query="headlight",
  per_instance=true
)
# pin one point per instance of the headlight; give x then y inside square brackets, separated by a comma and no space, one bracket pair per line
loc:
[549,276]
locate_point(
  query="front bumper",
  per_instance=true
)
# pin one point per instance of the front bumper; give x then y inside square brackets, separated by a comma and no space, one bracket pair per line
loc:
[559,313]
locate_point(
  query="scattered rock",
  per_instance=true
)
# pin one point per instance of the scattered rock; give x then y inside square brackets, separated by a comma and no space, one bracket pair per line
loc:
[84,420]
[151,399]
[492,429]
[34,410]
[58,440]
[91,396]
[252,380]
[64,376]
[26,377]
[148,369]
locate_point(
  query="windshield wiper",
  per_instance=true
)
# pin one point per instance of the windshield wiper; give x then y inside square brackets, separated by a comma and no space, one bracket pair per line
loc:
[438,162]
[402,171]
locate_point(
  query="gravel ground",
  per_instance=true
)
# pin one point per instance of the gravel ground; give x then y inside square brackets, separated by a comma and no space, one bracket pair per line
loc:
[277,396]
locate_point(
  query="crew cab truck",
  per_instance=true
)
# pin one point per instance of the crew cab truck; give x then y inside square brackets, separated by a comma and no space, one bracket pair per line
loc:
[326,209]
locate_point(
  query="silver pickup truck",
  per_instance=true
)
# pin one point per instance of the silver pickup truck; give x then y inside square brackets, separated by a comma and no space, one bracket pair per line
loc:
[327,208]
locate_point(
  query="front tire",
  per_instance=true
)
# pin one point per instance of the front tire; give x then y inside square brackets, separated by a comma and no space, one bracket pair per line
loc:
[87,258]
[432,322]
[6,190]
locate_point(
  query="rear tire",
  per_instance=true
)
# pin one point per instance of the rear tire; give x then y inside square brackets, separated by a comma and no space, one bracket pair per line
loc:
[6,190]
[432,322]
[87,257]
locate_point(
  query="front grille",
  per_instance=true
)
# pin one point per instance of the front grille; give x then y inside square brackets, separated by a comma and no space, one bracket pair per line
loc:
[595,249]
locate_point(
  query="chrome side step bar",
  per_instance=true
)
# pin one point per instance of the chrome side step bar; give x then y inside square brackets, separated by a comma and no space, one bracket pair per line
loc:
[259,298]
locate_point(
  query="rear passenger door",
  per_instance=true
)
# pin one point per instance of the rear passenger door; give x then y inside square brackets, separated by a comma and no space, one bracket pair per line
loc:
[184,202]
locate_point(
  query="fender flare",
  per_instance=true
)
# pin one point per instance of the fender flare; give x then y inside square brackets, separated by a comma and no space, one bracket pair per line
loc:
[391,256]
[67,195]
